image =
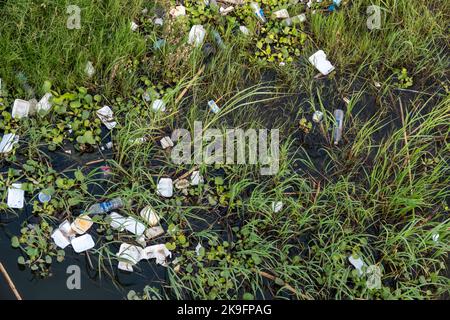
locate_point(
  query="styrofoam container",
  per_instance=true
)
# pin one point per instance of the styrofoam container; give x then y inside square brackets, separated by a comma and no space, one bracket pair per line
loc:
[319,60]
[82,243]
[134,226]
[117,221]
[82,224]
[16,196]
[60,239]
[21,109]
[165,187]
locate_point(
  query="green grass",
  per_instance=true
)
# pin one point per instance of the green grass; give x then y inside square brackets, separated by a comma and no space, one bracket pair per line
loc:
[382,193]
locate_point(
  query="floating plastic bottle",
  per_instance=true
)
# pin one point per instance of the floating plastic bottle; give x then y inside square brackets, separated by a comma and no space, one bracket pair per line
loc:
[339,118]
[107,206]
[258,12]
[294,20]
[213,106]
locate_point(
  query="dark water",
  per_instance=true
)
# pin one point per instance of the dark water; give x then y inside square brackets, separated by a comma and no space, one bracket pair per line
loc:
[112,284]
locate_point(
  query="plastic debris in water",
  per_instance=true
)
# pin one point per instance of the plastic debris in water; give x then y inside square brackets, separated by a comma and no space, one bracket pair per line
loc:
[16,196]
[106,115]
[258,12]
[21,109]
[133,26]
[158,252]
[319,60]
[196,178]
[134,226]
[159,44]
[277,206]
[335,5]
[8,141]
[338,126]
[435,237]
[117,221]
[198,248]
[128,256]
[224,11]
[317,116]
[83,243]
[165,187]
[178,11]
[60,239]
[44,104]
[294,20]
[358,263]
[281,14]
[196,35]
[244,30]
[159,105]
[213,106]
[89,69]
[82,224]
[63,234]
[107,206]
[150,216]
[154,232]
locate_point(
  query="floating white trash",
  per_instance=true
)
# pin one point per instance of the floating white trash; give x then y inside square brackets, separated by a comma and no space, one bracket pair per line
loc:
[128,256]
[134,226]
[244,30]
[165,187]
[154,232]
[159,105]
[82,224]
[178,11]
[317,116]
[82,243]
[8,142]
[213,106]
[61,240]
[281,14]
[197,35]
[89,69]
[277,206]
[16,196]
[133,26]
[159,252]
[21,109]
[106,115]
[117,221]
[358,263]
[319,60]
[196,178]
[44,104]
[150,216]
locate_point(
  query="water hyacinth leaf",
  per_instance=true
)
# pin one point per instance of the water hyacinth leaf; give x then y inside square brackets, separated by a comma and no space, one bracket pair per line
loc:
[75,104]
[247,296]
[21,260]
[15,242]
